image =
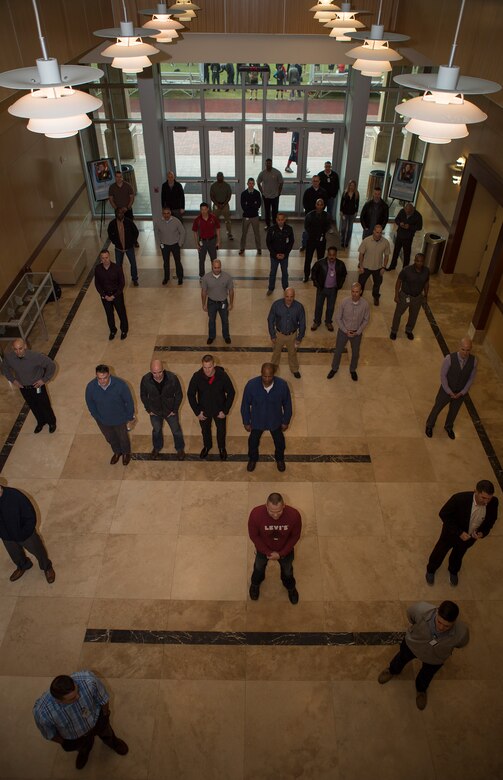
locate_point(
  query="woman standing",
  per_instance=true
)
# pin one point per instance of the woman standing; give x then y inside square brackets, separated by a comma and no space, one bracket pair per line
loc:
[349,208]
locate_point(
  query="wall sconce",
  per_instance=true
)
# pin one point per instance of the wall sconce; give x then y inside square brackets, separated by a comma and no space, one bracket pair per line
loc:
[458,168]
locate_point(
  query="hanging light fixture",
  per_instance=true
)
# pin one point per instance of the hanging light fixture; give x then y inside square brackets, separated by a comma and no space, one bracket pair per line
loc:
[442,113]
[186,10]
[345,23]
[52,106]
[324,10]
[162,20]
[129,52]
[375,56]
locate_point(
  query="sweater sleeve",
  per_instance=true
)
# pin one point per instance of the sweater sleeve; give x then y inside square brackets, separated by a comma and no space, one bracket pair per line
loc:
[254,533]
[287,406]
[192,395]
[178,394]
[245,405]
[230,394]
[294,537]
[91,403]
[127,400]
[49,367]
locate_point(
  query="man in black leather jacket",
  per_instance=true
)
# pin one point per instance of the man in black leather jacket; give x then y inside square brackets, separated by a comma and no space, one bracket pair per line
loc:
[328,277]
[161,395]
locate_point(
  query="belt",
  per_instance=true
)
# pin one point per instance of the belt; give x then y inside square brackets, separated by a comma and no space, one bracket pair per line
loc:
[211,300]
[287,334]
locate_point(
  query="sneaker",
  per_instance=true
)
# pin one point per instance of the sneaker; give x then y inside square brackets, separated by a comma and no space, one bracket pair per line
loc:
[293,595]
[392,336]
[430,577]
[421,700]
[288,169]
[254,592]
[453,579]
[331,373]
[384,677]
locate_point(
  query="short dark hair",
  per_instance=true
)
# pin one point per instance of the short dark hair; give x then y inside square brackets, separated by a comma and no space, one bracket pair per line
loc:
[420,254]
[332,247]
[203,204]
[207,358]
[449,611]
[275,498]
[377,189]
[250,179]
[101,368]
[61,686]
[104,251]
[268,159]
[484,486]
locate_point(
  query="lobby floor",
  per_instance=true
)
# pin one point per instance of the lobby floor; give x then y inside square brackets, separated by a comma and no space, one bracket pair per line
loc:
[163,547]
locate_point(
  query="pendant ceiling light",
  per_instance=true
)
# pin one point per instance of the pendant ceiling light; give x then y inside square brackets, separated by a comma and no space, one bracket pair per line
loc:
[324,10]
[162,20]
[52,106]
[442,113]
[129,52]
[374,57]
[345,23]
[186,11]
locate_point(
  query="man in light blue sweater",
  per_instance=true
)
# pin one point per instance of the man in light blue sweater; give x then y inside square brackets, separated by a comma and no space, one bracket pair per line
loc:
[110,402]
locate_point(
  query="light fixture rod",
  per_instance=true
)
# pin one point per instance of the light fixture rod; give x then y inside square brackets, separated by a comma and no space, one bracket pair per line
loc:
[41,37]
[124,9]
[380,10]
[455,41]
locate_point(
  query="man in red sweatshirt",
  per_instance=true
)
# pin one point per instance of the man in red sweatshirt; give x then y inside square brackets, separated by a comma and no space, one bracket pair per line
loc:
[274,529]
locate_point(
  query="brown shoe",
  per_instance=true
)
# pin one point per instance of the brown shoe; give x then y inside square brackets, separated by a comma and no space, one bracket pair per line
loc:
[50,575]
[330,327]
[126,459]
[114,459]
[18,573]
[180,454]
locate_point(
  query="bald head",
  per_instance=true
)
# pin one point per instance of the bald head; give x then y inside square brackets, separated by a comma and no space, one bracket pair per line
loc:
[465,347]
[157,370]
[19,347]
[289,296]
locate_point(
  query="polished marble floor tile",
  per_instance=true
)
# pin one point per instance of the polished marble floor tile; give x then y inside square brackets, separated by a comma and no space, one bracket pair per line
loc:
[137,566]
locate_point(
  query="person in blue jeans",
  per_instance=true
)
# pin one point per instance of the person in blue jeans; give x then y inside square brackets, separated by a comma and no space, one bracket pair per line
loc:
[161,395]
[123,234]
[279,243]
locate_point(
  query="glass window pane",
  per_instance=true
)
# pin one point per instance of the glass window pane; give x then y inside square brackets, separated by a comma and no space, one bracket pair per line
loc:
[187,73]
[320,148]
[222,104]
[222,153]
[187,154]
[181,103]
[277,104]
[326,104]
[281,147]
[253,152]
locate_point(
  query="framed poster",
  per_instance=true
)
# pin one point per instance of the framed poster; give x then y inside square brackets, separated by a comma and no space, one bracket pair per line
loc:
[405,180]
[102,175]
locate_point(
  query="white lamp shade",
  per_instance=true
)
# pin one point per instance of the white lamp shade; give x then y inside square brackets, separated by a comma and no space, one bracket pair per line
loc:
[324,16]
[129,47]
[59,128]
[179,5]
[374,50]
[54,103]
[131,64]
[443,107]
[187,16]
[168,29]
[372,67]
[324,5]
[436,133]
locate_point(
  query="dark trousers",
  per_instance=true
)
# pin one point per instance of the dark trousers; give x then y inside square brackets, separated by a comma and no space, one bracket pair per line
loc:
[221,426]
[222,307]
[35,546]
[286,568]
[130,254]
[274,270]
[313,246]
[117,436]
[278,438]
[346,229]
[176,430]
[206,246]
[406,245]
[340,342]
[442,400]
[39,404]
[328,294]
[377,280]
[271,204]
[414,307]
[448,540]
[425,674]
[84,744]
[120,307]
[172,249]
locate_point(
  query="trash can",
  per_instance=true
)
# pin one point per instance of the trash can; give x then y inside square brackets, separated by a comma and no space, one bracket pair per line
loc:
[376,179]
[128,175]
[433,250]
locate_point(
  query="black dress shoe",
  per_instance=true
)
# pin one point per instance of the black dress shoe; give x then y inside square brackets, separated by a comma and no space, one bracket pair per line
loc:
[180,281]
[165,281]
[52,428]
[180,454]
[410,336]
[280,464]
[228,340]
[251,465]
[223,454]
[155,453]
[297,374]
[126,459]
[354,376]
[450,433]
[254,592]
[376,301]
[38,428]
[112,335]
[18,573]
[123,336]
[331,374]
[210,341]
[392,336]
[81,760]
[428,431]
[119,746]
[115,458]
[293,595]
[204,452]
[136,283]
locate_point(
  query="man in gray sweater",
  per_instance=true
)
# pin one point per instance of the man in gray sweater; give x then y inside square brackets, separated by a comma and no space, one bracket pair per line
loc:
[431,637]
[30,371]
[170,235]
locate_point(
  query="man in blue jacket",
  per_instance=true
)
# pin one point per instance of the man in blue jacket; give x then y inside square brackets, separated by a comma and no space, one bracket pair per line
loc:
[266,406]
[110,402]
[18,533]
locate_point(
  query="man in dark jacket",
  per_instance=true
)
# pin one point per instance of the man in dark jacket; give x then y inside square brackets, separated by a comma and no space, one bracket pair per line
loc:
[466,517]
[161,395]
[251,201]
[110,402]
[409,221]
[123,234]
[329,181]
[375,212]
[309,198]
[328,275]
[266,406]
[457,374]
[17,531]
[316,225]
[173,196]
[109,282]
[279,243]
[210,396]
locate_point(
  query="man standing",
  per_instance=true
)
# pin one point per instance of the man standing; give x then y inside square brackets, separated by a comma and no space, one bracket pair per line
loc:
[251,202]
[411,291]
[328,275]
[110,402]
[409,221]
[373,254]
[431,637]
[217,295]
[73,712]
[30,371]
[466,517]
[287,328]
[206,229]
[374,212]
[456,377]
[311,195]
[109,281]
[220,194]
[161,395]
[316,225]
[270,184]
[211,394]
[279,243]
[173,196]
[170,234]
[274,529]
[18,530]
[329,180]
[123,233]
[266,406]
[352,318]
[121,195]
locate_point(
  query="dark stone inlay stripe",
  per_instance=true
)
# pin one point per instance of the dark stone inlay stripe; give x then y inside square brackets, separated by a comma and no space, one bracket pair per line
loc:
[146,456]
[244,638]
[470,406]
[213,348]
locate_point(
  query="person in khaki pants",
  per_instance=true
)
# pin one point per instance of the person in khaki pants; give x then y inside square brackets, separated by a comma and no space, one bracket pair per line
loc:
[287,327]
